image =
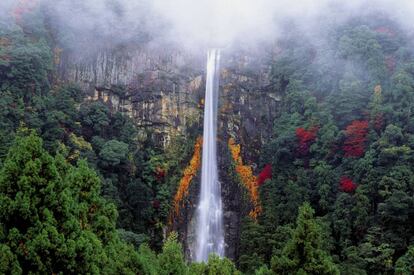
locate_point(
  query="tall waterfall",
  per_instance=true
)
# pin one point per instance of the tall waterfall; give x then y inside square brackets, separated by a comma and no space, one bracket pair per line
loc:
[210,233]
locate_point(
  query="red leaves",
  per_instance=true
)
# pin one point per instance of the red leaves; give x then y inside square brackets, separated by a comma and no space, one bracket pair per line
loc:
[159,174]
[356,133]
[265,174]
[306,138]
[23,7]
[391,63]
[347,185]
[156,204]
[386,31]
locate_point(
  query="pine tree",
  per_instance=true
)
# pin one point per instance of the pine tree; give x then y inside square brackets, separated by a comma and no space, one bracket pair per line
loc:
[214,265]
[53,219]
[171,259]
[304,253]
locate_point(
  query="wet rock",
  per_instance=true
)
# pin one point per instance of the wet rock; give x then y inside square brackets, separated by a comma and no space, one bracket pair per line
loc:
[162,89]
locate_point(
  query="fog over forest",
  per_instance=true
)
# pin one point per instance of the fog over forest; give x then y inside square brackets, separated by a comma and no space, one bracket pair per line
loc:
[205,137]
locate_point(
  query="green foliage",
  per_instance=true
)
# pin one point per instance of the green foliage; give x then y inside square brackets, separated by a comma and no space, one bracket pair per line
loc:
[113,153]
[53,218]
[363,71]
[95,118]
[132,238]
[171,259]
[214,265]
[148,260]
[255,245]
[405,264]
[303,253]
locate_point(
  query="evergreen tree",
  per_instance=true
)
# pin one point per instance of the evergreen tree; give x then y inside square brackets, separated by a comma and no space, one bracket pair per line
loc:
[405,264]
[214,265]
[171,259]
[304,253]
[53,219]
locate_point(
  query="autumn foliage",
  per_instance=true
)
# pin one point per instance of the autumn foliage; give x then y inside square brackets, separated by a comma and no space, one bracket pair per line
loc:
[305,138]
[347,185]
[378,122]
[377,117]
[391,63]
[356,135]
[189,173]
[23,7]
[265,174]
[4,44]
[385,30]
[159,174]
[248,179]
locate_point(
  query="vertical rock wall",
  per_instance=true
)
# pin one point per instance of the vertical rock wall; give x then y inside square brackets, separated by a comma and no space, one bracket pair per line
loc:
[163,89]
[160,89]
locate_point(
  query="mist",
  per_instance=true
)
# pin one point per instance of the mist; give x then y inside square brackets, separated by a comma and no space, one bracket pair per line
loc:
[203,23]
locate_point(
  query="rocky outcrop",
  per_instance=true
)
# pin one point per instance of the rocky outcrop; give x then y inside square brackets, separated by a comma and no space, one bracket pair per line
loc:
[235,205]
[159,89]
[164,89]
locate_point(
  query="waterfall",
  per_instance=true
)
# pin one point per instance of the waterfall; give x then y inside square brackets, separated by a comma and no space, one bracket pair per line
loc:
[209,231]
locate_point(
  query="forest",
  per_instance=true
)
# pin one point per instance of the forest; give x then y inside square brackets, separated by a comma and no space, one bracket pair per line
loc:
[84,189]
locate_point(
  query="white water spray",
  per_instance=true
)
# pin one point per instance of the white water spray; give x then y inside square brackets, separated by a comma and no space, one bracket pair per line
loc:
[210,233]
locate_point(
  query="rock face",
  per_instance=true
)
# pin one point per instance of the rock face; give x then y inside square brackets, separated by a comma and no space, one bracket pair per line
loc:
[160,89]
[234,204]
[164,89]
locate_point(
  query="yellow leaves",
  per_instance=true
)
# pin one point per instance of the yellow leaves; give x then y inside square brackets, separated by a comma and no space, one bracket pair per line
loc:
[248,179]
[189,172]
[57,53]
[81,145]
[80,142]
[4,42]
[378,90]
[74,155]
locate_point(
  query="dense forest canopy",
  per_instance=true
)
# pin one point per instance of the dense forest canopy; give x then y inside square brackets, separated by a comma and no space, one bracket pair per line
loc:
[84,189]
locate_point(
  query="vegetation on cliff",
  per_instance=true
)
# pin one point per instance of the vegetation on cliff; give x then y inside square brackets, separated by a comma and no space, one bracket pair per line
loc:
[355,168]
[85,190]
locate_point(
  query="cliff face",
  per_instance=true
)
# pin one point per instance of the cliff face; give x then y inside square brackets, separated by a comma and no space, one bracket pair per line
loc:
[163,90]
[160,89]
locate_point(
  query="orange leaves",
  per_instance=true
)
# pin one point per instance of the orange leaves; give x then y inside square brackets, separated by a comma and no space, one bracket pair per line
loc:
[248,179]
[244,171]
[235,151]
[189,173]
